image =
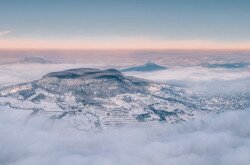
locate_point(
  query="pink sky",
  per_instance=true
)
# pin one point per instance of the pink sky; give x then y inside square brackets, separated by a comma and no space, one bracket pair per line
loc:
[115,43]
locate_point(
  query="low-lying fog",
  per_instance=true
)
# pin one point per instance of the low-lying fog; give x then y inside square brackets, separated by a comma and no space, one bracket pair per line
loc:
[213,139]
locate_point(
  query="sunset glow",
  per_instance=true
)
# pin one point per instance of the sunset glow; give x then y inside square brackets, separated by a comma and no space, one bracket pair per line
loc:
[136,43]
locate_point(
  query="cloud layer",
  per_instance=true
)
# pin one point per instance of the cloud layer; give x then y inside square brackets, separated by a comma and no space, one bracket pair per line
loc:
[18,73]
[204,80]
[217,139]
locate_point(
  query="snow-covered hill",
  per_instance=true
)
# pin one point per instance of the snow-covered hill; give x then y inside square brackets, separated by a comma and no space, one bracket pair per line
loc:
[93,98]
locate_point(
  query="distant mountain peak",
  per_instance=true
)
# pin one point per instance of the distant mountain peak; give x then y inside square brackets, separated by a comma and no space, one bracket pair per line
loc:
[147,67]
[150,63]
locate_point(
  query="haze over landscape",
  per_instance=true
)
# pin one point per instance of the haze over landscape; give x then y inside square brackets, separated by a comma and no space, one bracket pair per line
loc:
[124,82]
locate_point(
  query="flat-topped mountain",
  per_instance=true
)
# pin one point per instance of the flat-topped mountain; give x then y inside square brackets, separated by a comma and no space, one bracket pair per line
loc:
[148,67]
[86,73]
[86,82]
[95,98]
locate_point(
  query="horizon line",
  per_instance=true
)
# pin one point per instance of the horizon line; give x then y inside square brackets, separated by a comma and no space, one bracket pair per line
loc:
[124,49]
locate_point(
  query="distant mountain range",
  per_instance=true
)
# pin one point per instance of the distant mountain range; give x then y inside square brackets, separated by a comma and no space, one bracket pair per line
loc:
[148,67]
[34,60]
[94,98]
[227,65]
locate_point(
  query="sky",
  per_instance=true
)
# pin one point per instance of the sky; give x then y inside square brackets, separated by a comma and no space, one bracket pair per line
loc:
[120,24]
